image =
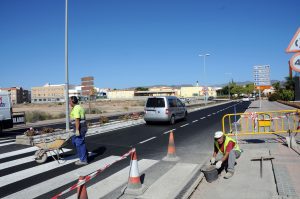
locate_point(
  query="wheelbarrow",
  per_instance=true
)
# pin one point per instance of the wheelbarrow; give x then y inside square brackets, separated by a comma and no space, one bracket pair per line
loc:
[50,142]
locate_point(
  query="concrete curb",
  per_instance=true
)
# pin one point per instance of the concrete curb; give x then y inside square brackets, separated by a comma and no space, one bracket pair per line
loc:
[191,185]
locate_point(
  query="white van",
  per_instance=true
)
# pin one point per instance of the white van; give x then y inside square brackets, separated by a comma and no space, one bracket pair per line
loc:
[6,118]
[164,109]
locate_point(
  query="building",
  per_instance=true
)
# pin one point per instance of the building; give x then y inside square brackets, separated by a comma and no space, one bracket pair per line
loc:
[120,94]
[26,96]
[76,91]
[18,94]
[194,91]
[159,91]
[49,93]
[87,86]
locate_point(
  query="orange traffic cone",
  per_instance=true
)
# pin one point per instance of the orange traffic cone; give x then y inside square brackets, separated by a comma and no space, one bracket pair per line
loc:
[171,156]
[81,191]
[134,186]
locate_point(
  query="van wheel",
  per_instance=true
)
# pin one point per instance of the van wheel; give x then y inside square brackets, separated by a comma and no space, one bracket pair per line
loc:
[148,123]
[172,120]
[1,127]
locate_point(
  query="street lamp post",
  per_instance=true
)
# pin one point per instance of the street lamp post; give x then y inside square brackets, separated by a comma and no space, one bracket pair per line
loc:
[228,85]
[205,89]
[66,70]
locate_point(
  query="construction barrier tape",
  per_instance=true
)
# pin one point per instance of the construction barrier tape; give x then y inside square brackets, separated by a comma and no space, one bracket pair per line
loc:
[92,175]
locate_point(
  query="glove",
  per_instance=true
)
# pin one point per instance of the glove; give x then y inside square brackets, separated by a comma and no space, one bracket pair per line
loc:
[212,160]
[219,164]
[77,133]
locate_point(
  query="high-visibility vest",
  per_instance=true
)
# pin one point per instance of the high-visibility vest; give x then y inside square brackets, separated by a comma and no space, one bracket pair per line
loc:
[227,139]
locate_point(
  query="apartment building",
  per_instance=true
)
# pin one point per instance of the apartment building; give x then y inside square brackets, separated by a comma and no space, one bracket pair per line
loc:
[49,93]
[18,94]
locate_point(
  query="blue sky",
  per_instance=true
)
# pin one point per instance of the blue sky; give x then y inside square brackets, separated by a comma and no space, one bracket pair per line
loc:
[129,43]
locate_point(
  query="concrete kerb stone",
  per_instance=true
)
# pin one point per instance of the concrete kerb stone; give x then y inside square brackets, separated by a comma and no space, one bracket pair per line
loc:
[196,182]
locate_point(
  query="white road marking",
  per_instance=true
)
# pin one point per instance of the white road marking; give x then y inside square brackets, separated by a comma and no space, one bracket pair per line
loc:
[58,181]
[184,125]
[195,121]
[147,140]
[6,144]
[9,140]
[114,181]
[209,115]
[25,160]
[14,177]
[202,118]
[169,131]
[18,152]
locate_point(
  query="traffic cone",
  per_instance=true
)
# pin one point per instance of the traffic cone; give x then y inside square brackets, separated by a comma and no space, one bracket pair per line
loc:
[81,190]
[134,186]
[171,156]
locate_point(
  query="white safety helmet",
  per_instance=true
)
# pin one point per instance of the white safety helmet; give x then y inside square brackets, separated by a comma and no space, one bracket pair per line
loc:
[218,134]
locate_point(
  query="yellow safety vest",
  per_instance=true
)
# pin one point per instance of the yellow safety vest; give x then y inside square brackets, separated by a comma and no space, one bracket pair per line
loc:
[227,139]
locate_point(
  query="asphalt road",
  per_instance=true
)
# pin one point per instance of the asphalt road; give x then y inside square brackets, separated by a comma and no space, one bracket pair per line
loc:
[193,140]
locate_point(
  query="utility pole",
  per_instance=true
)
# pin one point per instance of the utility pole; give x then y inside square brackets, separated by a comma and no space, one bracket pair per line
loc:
[66,70]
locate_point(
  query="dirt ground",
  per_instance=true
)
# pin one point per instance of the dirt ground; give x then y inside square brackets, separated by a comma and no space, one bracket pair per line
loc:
[96,107]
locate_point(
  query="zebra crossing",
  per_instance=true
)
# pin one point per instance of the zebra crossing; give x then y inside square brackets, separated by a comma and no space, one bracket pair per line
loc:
[22,177]
[24,171]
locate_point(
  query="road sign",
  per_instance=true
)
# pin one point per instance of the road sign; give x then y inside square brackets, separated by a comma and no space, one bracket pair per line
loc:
[295,62]
[294,45]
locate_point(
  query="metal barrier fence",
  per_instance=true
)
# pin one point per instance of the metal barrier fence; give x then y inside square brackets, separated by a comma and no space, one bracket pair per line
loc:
[253,123]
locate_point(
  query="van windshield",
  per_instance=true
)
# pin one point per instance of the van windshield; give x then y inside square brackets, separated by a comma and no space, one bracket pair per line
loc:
[155,102]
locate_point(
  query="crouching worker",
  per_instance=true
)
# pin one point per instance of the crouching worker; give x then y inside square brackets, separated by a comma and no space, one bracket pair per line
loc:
[80,128]
[230,151]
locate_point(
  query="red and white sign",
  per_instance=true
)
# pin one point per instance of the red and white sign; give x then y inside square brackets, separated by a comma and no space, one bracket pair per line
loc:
[295,62]
[294,45]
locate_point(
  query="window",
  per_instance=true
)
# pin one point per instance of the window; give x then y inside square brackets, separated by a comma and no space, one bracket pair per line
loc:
[179,103]
[155,102]
[172,102]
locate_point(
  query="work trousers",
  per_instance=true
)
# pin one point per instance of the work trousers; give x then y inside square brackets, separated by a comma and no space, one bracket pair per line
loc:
[233,155]
[79,143]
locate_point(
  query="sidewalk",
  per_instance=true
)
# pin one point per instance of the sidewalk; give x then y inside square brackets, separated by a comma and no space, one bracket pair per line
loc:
[280,177]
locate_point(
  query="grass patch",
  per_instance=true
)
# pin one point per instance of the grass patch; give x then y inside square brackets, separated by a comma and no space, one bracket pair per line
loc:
[35,116]
[92,111]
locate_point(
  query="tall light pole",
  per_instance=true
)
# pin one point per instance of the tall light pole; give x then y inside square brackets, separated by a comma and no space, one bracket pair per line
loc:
[228,85]
[205,89]
[66,70]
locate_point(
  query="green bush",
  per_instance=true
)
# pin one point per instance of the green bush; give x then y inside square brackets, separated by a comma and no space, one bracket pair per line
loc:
[103,120]
[92,111]
[35,116]
[286,95]
[274,97]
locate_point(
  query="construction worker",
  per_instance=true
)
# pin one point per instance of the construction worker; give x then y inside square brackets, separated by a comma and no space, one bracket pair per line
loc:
[77,116]
[230,151]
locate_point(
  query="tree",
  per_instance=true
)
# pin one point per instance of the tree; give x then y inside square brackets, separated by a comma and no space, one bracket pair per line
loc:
[289,83]
[141,89]
[237,90]
[276,86]
[249,88]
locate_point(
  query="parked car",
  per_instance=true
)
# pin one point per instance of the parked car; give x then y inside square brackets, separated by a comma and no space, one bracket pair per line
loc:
[210,98]
[245,99]
[164,109]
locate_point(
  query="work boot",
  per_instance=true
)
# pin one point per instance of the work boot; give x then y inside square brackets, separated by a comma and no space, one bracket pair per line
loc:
[228,175]
[80,163]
